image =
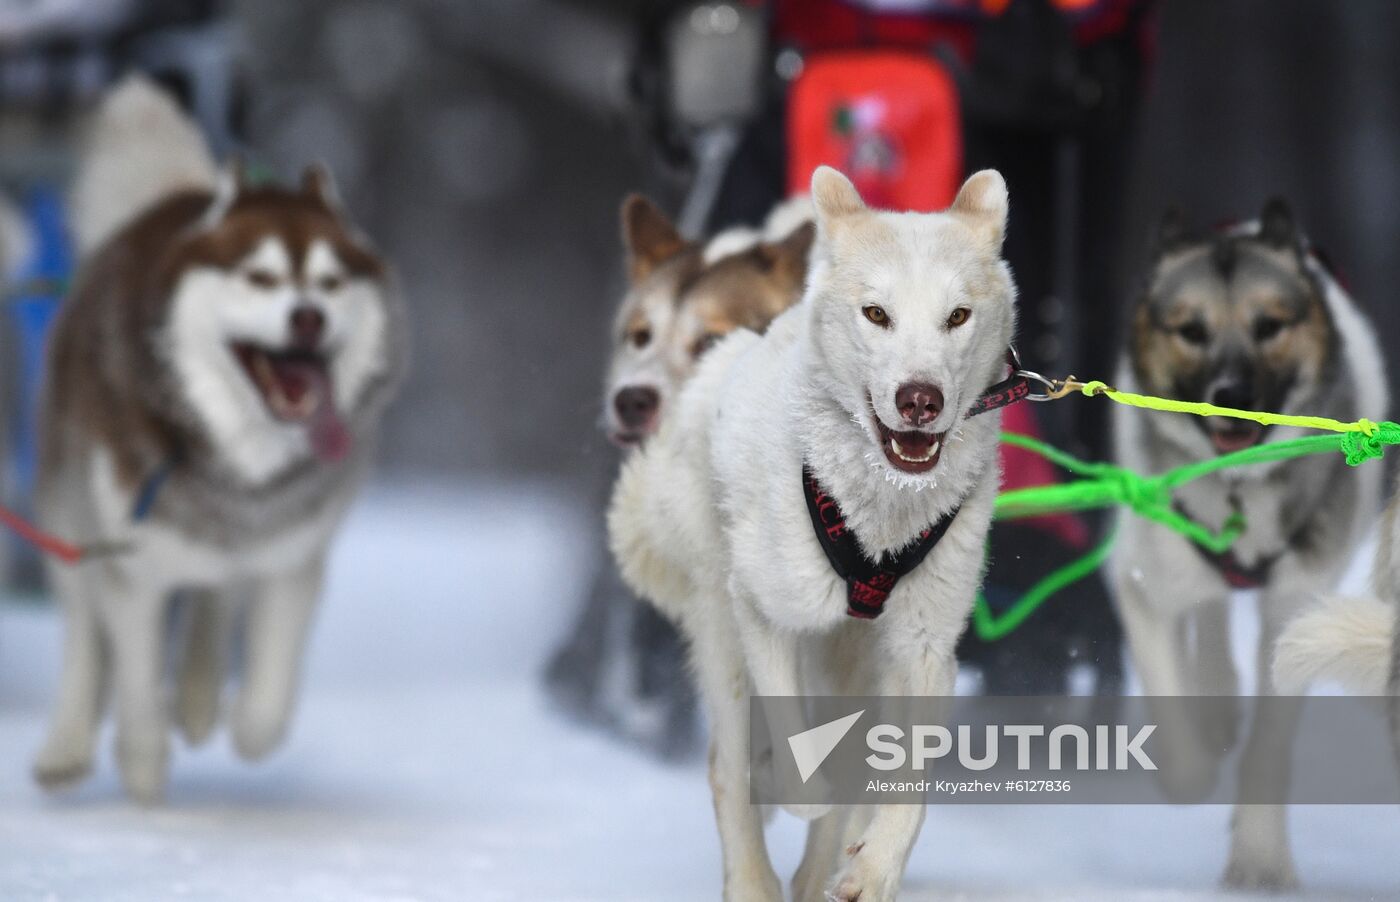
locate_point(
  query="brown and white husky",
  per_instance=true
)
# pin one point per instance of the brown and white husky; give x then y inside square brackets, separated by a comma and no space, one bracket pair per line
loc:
[215,383]
[622,665]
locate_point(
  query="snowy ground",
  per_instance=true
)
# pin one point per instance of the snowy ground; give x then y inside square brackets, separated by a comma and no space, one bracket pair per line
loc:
[426,764]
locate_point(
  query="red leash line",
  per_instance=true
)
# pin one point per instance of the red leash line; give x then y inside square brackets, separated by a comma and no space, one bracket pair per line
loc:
[45,542]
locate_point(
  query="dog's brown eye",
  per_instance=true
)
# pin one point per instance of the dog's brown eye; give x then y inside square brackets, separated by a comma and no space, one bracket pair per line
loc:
[1267,327]
[958,317]
[1192,333]
[704,343]
[876,314]
[330,284]
[262,278]
[639,338]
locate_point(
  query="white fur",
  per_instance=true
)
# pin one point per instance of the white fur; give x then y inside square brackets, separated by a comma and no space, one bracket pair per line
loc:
[1344,639]
[662,364]
[120,603]
[213,308]
[1173,604]
[787,217]
[115,607]
[667,361]
[784,219]
[141,149]
[709,519]
[730,242]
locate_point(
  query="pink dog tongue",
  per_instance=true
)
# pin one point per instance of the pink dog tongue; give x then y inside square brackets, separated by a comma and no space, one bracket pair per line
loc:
[330,438]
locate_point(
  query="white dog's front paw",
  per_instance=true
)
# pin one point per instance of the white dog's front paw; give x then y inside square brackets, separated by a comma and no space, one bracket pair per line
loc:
[865,879]
[256,730]
[143,767]
[754,884]
[62,762]
[1260,876]
[1247,872]
[197,708]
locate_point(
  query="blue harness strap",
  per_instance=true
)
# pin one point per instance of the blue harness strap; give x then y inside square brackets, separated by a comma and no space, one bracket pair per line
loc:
[150,490]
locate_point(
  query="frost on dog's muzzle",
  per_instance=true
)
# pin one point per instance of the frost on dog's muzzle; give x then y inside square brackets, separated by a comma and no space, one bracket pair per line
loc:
[868,582]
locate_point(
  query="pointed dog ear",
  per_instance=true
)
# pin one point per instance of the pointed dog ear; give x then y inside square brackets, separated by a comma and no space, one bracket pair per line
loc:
[648,235]
[833,195]
[983,203]
[1277,226]
[230,185]
[1172,232]
[318,183]
[787,259]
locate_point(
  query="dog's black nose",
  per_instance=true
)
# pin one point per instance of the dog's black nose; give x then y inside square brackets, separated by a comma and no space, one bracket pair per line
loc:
[636,405]
[1232,394]
[919,402]
[307,325]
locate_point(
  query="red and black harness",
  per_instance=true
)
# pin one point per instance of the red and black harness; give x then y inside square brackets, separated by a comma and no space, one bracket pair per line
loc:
[870,582]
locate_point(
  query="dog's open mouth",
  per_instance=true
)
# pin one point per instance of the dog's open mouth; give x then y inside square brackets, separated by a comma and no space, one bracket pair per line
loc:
[1228,435]
[910,452]
[296,386]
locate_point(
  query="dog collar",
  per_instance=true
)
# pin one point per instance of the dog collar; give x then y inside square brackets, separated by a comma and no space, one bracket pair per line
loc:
[868,582]
[1015,387]
[149,491]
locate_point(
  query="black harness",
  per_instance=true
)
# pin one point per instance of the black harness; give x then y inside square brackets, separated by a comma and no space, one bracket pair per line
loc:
[870,582]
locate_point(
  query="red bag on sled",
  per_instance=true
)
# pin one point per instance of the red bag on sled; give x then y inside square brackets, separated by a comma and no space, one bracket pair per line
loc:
[887,119]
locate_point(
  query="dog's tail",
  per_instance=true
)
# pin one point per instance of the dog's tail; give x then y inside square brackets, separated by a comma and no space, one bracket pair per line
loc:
[141,149]
[1346,639]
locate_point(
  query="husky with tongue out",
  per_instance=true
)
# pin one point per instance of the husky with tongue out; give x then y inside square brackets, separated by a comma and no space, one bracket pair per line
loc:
[216,379]
[1245,318]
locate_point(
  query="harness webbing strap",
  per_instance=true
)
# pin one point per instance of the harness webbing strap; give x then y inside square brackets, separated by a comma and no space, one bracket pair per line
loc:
[868,582]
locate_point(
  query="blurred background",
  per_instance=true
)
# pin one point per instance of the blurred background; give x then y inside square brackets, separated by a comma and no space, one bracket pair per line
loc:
[486,146]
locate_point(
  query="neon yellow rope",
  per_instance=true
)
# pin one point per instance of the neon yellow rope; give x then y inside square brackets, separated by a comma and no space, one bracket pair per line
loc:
[1106,485]
[1202,409]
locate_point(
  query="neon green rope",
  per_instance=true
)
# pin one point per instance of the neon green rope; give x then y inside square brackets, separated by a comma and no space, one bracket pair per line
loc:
[1107,485]
[990,627]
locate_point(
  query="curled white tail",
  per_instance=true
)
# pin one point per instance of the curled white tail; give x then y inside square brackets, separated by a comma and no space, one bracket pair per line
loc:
[1342,639]
[141,149]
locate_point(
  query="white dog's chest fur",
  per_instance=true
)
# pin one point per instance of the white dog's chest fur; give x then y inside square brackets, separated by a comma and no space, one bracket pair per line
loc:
[769,545]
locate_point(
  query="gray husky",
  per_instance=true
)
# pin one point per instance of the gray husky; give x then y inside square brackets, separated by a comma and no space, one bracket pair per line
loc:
[1245,318]
[215,383]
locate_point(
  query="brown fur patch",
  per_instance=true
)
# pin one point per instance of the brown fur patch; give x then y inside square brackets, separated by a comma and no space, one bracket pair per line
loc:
[106,375]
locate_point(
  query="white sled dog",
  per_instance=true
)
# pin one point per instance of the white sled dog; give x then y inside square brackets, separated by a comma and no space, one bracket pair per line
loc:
[860,392]
[215,382]
[1246,318]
